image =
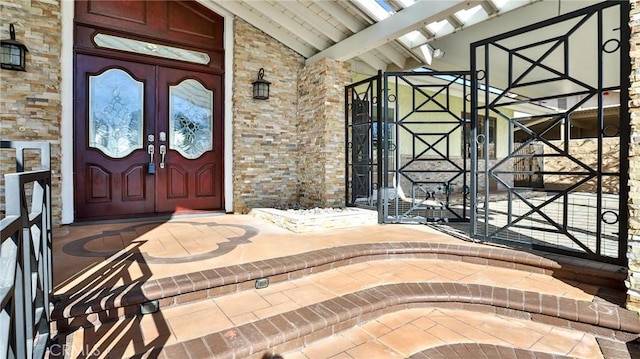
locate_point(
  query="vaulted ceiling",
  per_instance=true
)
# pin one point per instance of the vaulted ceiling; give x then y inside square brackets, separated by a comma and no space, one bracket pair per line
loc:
[391,35]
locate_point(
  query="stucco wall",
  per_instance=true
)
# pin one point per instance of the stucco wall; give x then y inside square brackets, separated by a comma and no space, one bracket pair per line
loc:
[30,107]
[265,172]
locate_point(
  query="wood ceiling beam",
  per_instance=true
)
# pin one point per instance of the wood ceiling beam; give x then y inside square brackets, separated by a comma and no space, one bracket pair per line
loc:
[455,22]
[489,7]
[373,61]
[358,10]
[276,16]
[395,4]
[417,15]
[256,20]
[313,19]
[393,55]
[341,15]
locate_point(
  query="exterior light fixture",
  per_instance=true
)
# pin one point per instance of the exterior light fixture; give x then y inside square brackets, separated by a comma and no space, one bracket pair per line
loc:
[13,52]
[261,87]
[429,53]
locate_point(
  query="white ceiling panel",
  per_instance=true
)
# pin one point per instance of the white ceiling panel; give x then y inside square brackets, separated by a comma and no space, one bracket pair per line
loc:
[347,29]
[391,34]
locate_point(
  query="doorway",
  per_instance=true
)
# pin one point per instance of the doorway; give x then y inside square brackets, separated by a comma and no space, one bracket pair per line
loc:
[148,113]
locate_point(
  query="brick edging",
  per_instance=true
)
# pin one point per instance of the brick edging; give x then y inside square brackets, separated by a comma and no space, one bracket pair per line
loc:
[292,329]
[213,282]
[478,350]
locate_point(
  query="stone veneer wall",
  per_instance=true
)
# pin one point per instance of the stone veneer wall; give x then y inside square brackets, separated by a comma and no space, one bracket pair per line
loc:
[30,107]
[633,251]
[265,172]
[321,133]
[585,150]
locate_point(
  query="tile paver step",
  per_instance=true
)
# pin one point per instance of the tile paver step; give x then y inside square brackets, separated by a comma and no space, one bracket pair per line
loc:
[182,288]
[380,285]
[202,271]
[300,327]
[422,333]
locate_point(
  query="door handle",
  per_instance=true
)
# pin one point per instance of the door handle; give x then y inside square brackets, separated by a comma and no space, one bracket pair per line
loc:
[163,152]
[152,166]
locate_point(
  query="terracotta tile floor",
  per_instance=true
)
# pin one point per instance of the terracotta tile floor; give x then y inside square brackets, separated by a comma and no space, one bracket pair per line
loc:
[85,256]
[401,334]
[83,250]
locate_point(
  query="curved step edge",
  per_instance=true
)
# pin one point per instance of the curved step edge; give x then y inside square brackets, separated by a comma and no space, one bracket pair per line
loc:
[295,328]
[479,350]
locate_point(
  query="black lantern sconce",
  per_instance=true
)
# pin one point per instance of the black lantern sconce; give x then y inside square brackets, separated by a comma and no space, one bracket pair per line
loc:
[261,87]
[13,52]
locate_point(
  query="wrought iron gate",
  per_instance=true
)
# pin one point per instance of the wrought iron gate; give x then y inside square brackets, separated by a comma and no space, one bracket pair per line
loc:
[407,151]
[581,208]
[362,112]
[425,123]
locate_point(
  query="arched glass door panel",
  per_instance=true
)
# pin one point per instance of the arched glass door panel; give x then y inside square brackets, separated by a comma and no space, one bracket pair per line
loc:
[115,113]
[190,119]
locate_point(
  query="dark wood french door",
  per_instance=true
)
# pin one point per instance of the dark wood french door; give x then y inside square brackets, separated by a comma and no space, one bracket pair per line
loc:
[189,175]
[148,139]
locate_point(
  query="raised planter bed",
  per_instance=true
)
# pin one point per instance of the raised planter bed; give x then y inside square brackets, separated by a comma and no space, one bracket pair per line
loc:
[317,219]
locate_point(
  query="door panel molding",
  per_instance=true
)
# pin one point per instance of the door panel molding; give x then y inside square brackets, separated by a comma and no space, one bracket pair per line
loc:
[177,182]
[205,181]
[133,183]
[100,191]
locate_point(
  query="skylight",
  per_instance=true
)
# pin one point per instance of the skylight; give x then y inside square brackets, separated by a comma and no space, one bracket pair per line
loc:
[499,3]
[385,6]
[407,3]
[412,39]
[440,28]
[375,8]
[415,40]
[465,14]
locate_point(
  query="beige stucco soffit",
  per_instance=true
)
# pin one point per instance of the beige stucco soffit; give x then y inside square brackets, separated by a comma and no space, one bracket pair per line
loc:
[414,17]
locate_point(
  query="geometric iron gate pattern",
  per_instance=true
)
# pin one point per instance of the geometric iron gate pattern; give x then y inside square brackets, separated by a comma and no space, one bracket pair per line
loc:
[570,77]
[425,151]
[407,146]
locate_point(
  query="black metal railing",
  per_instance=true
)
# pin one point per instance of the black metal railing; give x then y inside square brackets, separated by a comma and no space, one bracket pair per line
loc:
[25,256]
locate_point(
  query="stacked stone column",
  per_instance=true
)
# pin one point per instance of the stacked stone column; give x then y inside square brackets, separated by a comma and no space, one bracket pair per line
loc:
[633,250]
[321,141]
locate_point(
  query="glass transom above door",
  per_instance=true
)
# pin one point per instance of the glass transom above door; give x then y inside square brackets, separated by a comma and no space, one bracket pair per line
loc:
[190,119]
[115,113]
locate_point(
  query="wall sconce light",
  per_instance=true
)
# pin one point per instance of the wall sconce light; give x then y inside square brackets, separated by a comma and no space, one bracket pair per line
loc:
[13,52]
[261,87]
